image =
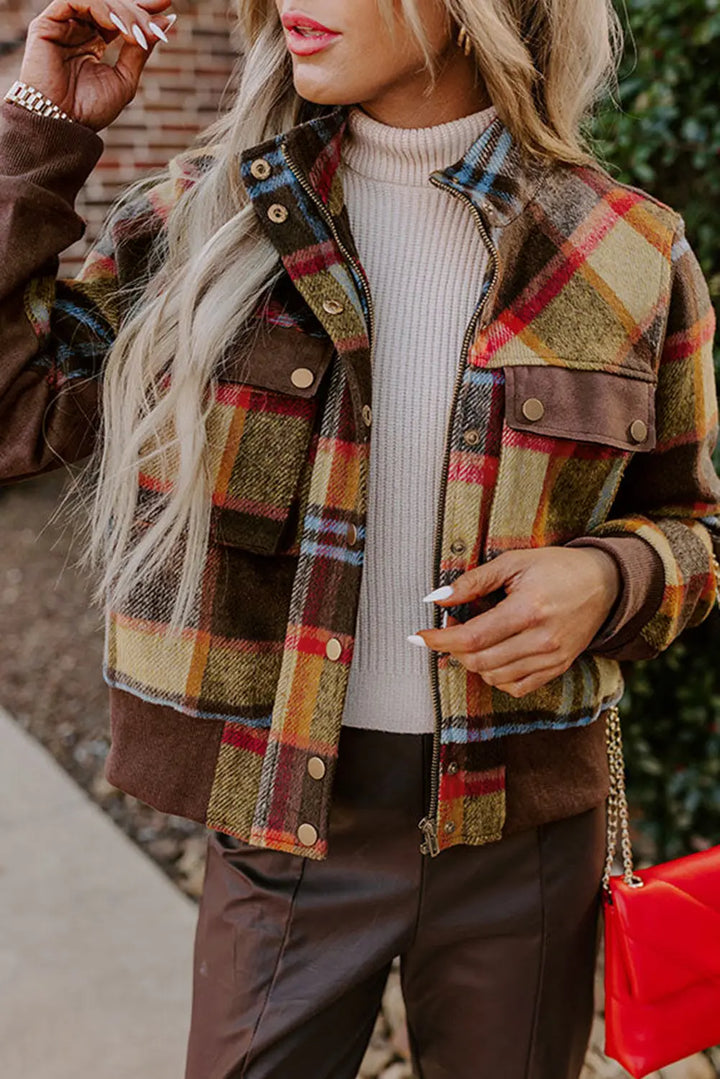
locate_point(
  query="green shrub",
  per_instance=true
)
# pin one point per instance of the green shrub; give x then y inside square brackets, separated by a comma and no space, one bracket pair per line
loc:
[666,140]
[671,729]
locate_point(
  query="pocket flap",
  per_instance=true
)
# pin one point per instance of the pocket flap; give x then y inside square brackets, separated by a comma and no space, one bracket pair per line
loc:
[279,358]
[587,406]
[261,426]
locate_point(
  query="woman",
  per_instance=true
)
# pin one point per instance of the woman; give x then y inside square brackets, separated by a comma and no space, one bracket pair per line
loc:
[396,228]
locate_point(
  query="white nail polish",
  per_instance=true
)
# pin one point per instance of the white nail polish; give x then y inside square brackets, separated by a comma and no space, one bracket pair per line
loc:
[440,593]
[415,638]
[139,36]
[158,32]
[117,21]
[171,19]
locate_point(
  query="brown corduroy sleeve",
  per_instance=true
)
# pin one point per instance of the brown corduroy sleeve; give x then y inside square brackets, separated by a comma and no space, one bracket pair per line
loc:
[50,345]
[641,592]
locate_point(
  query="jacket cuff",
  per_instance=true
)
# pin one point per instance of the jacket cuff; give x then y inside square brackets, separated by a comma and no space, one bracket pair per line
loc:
[641,592]
[53,154]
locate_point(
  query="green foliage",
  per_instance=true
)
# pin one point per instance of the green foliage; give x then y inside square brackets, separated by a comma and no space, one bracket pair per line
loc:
[665,138]
[671,729]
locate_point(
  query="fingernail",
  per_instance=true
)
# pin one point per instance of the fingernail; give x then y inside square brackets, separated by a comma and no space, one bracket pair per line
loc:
[139,36]
[158,32]
[440,593]
[117,21]
[415,638]
[171,19]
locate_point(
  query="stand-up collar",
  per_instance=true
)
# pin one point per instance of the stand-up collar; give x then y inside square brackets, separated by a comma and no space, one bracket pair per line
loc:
[495,173]
[295,184]
[406,156]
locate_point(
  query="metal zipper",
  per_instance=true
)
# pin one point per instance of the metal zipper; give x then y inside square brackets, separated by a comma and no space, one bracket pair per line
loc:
[428,824]
[327,217]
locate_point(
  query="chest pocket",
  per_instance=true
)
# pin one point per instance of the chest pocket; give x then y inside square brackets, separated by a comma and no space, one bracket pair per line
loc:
[597,407]
[567,435]
[259,431]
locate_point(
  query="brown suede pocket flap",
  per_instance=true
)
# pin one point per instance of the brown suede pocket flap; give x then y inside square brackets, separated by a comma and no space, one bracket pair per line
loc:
[587,406]
[281,359]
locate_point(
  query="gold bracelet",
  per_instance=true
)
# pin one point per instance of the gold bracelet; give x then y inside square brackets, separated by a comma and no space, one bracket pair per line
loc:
[30,98]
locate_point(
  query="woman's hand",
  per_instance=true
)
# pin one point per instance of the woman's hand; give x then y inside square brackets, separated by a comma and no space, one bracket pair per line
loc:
[557,599]
[64,50]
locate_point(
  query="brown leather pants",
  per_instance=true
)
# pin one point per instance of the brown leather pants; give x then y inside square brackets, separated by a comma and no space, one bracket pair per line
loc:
[497,943]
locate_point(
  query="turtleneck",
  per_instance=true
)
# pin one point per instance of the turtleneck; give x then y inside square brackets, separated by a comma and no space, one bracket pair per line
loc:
[407,155]
[425,263]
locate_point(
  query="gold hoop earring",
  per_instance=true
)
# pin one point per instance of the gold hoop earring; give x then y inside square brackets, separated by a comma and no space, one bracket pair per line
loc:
[463,40]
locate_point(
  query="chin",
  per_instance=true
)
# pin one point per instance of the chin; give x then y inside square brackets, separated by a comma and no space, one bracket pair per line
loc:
[323,91]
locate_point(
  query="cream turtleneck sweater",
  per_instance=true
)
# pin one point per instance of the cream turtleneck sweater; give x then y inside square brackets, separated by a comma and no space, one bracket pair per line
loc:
[425,263]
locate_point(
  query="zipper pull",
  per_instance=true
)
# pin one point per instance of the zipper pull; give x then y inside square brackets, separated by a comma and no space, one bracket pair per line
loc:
[430,843]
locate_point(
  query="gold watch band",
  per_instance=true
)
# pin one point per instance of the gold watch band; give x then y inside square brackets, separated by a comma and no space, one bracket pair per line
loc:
[30,98]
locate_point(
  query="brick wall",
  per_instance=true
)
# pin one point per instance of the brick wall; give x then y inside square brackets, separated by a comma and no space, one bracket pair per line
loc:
[180,93]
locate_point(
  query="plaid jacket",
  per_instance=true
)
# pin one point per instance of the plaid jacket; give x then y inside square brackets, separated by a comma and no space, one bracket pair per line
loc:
[586,376]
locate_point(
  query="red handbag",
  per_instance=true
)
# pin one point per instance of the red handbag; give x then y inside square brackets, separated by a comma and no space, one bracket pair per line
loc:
[662,944]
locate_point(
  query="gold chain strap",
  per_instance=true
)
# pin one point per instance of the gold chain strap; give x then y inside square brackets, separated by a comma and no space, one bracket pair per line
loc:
[617,807]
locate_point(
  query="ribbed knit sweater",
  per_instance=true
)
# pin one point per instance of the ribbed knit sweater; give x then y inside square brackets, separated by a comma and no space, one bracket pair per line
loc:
[425,263]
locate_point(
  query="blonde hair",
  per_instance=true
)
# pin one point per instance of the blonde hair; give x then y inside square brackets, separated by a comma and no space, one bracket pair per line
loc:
[544,63]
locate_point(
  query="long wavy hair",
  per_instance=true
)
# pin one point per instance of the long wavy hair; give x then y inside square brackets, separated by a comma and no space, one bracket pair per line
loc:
[544,62]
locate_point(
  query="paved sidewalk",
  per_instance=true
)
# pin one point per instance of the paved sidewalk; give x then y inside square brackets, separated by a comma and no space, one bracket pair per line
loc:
[95,942]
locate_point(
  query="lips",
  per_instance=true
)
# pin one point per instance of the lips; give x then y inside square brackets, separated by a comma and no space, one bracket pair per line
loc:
[295,20]
[306,36]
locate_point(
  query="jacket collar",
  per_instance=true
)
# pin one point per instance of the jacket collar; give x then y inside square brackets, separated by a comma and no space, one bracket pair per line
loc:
[295,185]
[496,174]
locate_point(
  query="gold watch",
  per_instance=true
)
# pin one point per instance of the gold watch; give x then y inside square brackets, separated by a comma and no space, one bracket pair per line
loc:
[30,98]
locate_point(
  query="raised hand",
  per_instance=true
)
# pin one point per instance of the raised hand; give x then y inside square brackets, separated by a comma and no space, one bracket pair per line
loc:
[65,46]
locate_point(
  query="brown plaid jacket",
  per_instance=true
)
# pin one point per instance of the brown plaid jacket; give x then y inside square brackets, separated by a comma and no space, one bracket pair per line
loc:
[586,378]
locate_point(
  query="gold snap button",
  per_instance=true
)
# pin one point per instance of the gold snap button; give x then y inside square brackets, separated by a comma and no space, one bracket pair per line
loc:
[260,168]
[471,436]
[449,826]
[277,213]
[638,431]
[333,307]
[458,546]
[533,409]
[333,649]
[367,415]
[452,768]
[307,835]
[352,535]
[316,767]
[302,377]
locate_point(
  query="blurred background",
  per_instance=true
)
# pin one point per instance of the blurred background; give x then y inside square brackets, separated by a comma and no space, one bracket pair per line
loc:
[663,135]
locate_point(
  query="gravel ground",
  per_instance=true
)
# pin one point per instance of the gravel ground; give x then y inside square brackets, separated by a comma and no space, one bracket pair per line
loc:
[51,681]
